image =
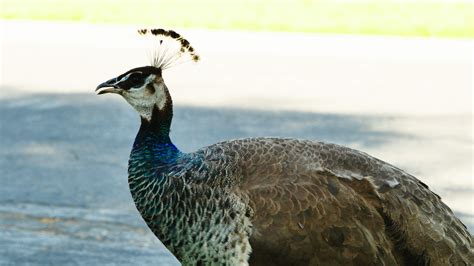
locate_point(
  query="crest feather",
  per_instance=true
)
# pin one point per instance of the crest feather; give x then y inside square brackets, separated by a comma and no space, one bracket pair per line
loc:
[170,48]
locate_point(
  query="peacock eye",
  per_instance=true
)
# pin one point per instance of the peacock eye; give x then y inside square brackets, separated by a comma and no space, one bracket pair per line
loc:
[135,78]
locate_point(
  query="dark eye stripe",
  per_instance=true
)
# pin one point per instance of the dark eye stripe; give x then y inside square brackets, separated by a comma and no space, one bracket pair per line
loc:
[135,75]
[144,72]
[133,80]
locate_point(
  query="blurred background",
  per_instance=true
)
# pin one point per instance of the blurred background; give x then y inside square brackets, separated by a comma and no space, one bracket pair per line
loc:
[392,78]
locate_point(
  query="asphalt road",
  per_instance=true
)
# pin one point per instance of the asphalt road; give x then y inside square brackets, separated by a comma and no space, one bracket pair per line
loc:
[64,198]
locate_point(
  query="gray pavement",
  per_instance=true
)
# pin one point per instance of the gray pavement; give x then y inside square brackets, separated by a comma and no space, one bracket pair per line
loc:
[64,198]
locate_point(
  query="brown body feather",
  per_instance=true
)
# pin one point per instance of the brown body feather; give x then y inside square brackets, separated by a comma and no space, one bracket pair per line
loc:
[322,204]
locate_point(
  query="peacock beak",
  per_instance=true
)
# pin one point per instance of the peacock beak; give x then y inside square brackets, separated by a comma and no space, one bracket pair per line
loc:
[110,86]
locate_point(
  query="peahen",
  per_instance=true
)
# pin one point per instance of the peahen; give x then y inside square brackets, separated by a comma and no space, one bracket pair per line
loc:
[272,201]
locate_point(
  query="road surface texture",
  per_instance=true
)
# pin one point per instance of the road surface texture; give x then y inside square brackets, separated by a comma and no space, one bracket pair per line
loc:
[64,196]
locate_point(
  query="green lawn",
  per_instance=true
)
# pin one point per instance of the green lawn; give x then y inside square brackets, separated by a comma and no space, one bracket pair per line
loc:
[378,17]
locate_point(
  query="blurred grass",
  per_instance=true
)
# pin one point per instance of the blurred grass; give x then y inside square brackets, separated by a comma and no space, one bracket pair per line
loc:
[374,17]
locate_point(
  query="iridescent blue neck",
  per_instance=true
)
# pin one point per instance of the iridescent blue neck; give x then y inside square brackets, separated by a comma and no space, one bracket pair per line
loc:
[153,139]
[155,147]
[152,159]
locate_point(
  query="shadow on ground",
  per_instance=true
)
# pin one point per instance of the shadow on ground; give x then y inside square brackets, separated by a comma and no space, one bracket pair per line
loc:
[65,198]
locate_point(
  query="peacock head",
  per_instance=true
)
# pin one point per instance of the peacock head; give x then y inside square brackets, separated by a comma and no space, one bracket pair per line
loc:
[143,87]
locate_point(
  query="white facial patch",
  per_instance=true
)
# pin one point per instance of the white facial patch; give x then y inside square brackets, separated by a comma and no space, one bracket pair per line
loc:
[143,101]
